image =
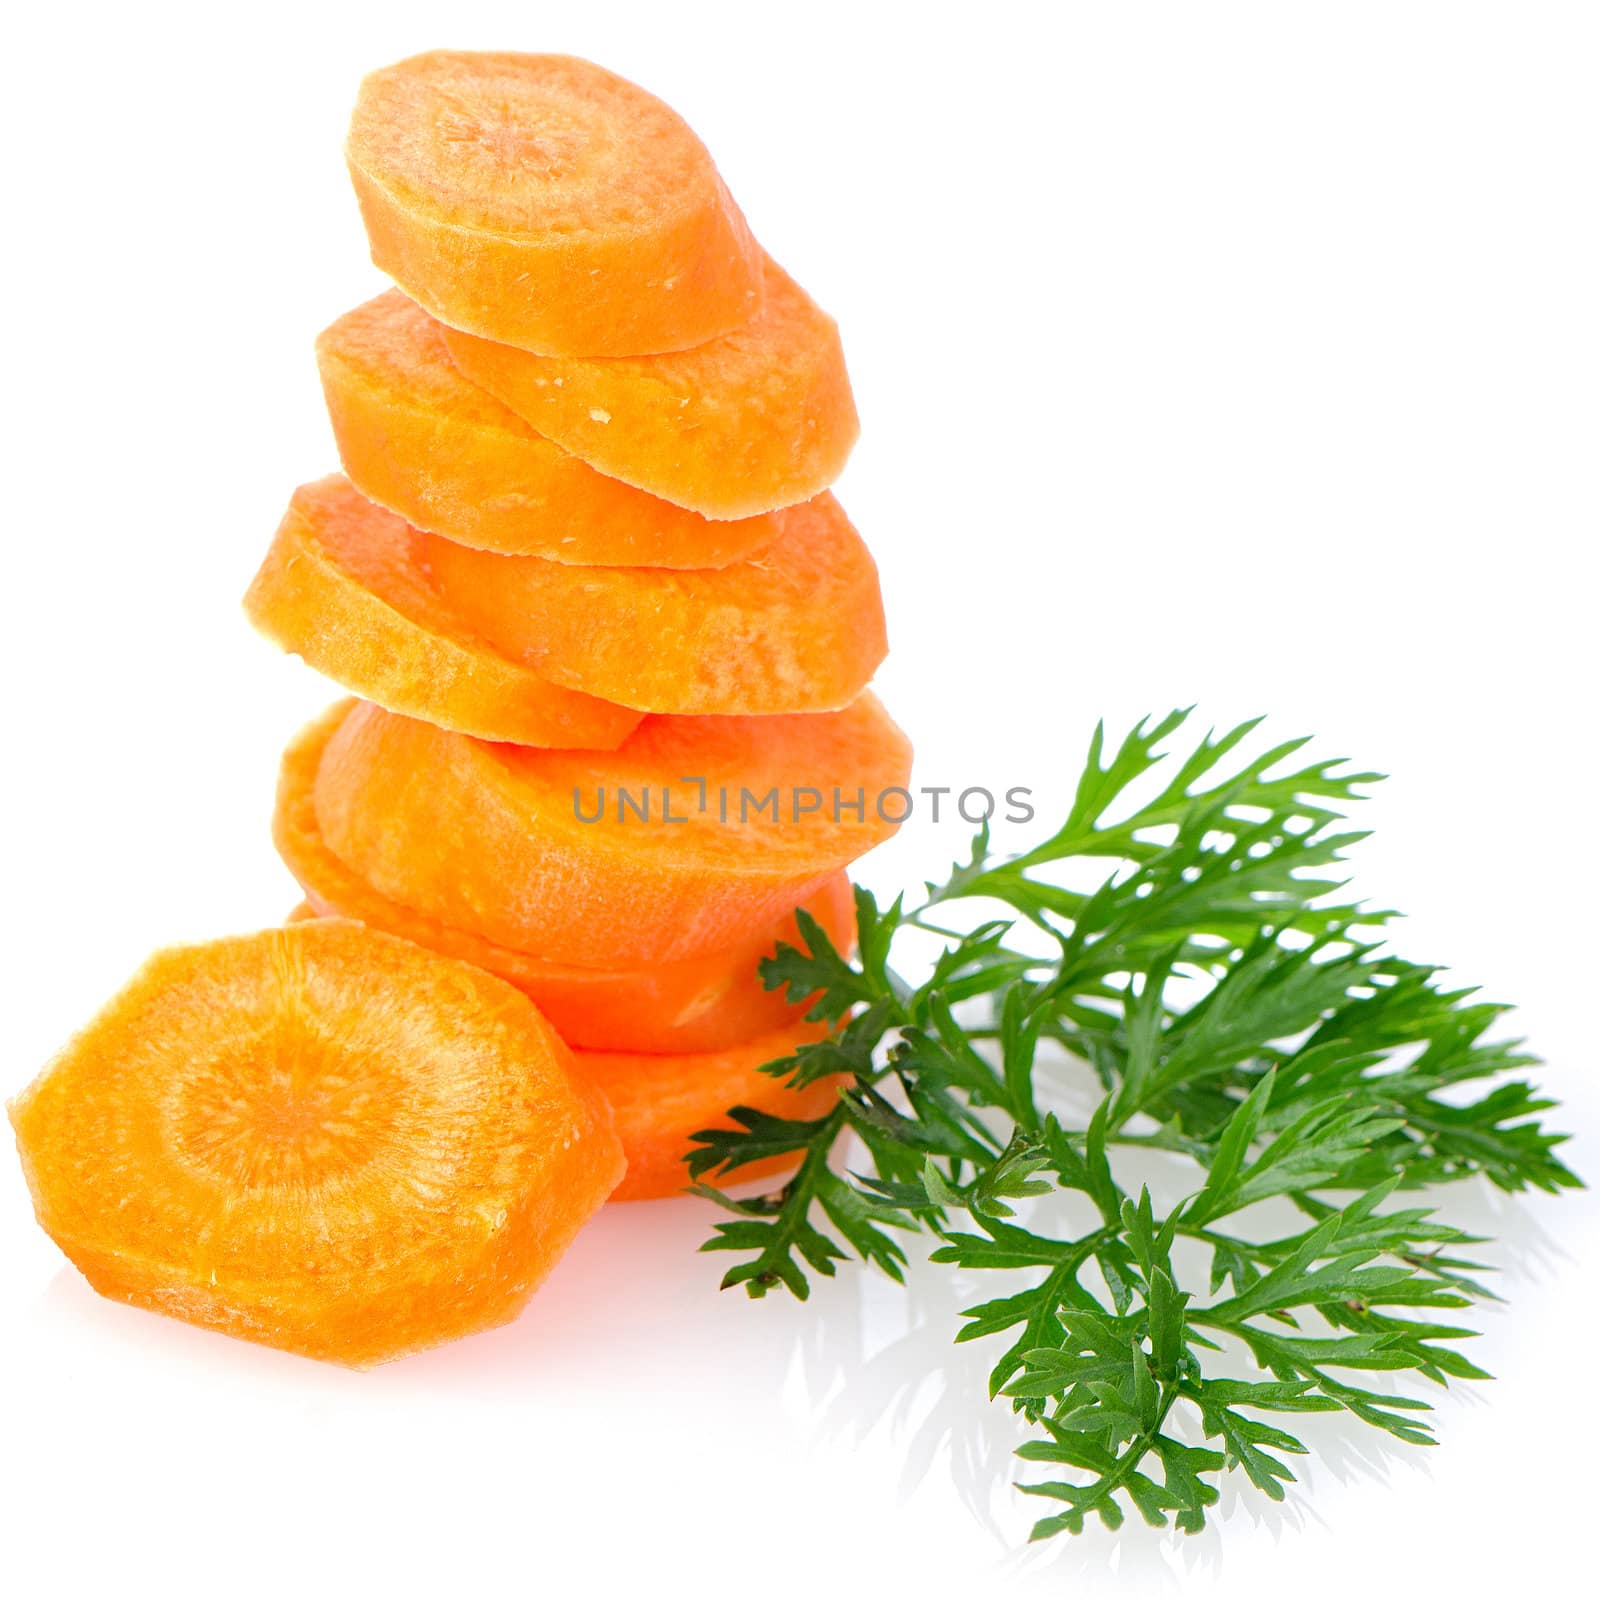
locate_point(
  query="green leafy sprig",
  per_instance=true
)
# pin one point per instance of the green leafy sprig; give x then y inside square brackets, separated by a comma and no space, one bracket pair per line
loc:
[1226,1005]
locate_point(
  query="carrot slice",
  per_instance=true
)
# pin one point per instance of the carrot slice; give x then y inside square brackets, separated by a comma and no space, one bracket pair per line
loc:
[798,627]
[545,202]
[319,1138]
[492,839]
[659,1101]
[757,419]
[341,587]
[707,1002]
[444,454]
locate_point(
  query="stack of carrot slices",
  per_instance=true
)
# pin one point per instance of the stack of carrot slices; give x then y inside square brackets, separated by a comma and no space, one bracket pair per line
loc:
[582,563]
[610,637]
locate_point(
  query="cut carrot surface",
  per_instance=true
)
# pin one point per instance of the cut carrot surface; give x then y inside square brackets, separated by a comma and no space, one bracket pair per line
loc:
[341,587]
[319,1138]
[705,1002]
[759,418]
[798,627]
[447,456]
[492,838]
[545,202]
[659,1101]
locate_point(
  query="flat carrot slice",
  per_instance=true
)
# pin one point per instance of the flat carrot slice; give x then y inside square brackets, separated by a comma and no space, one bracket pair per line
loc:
[342,588]
[492,838]
[319,1138]
[708,1002]
[759,418]
[444,454]
[545,202]
[797,627]
[660,1101]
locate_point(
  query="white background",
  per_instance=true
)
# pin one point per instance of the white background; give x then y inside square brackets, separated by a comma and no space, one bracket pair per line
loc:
[1235,354]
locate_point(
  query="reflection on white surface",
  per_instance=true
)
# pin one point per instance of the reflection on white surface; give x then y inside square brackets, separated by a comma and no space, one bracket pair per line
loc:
[861,1387]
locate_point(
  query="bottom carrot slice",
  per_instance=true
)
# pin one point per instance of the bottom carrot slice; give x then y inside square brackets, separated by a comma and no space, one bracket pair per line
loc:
[319,1138]
[706,1002]
[660,1101]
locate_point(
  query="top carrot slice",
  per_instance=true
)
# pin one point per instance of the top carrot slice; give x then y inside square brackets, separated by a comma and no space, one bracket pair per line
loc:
[544,202]
[753,421]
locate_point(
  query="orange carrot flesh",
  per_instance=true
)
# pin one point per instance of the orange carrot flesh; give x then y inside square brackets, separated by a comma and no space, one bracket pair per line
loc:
[708,1002]
[493,838]
[760,418]
[544,202]
[797,627]
[660,1101]
[342,587]
[319,1138]
[417,438]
